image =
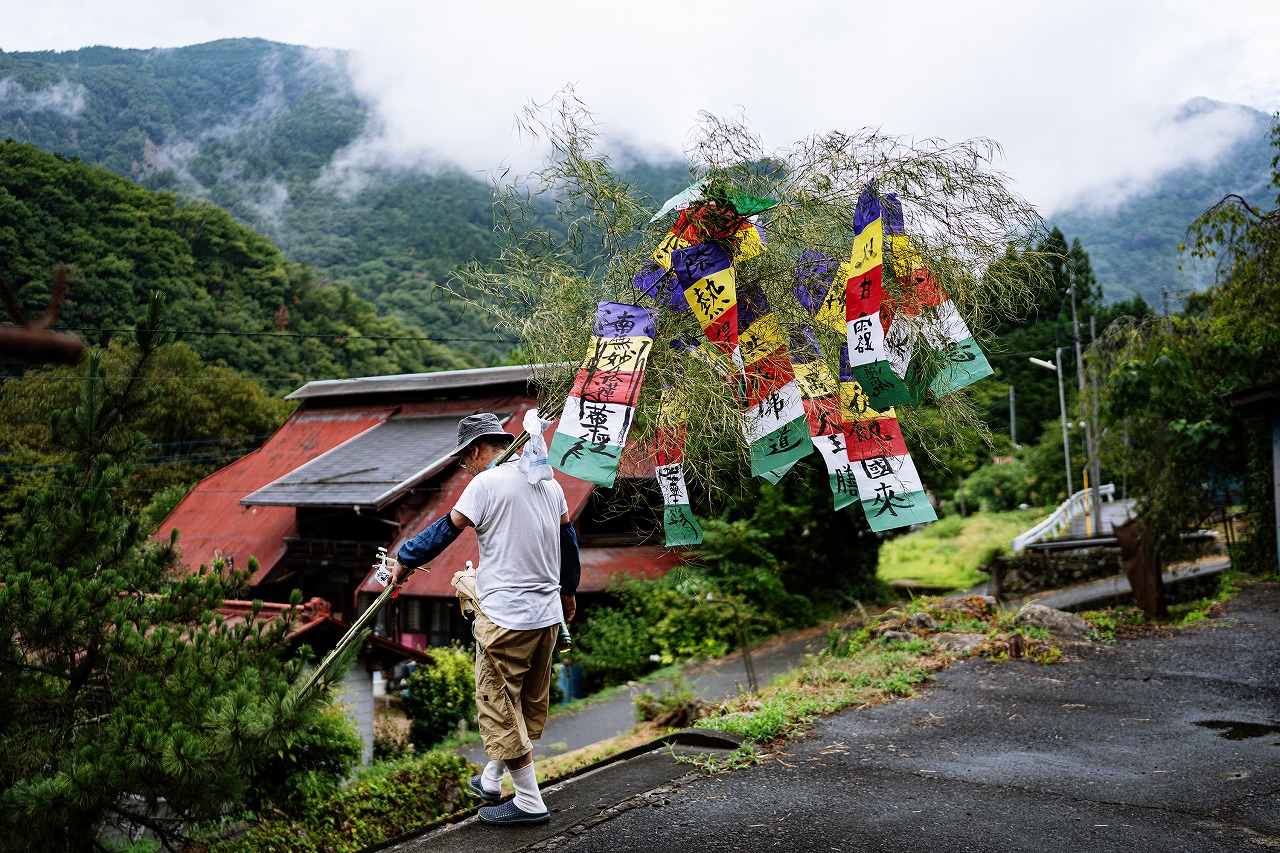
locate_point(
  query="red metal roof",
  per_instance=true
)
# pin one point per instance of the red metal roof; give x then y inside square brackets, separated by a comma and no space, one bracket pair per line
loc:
[211,521]
[602,566]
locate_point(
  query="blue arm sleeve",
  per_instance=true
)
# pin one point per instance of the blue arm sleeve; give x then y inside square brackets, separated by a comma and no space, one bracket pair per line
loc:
[570,562]
[428,544]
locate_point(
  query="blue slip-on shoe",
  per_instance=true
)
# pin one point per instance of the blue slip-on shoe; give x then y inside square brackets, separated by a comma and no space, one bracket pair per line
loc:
[509,814]
[479,790]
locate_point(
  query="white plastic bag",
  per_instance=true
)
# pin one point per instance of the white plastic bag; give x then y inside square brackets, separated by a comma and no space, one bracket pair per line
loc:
[533,462]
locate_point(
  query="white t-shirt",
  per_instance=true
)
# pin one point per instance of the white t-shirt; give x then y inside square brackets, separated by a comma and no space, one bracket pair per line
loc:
[518,525]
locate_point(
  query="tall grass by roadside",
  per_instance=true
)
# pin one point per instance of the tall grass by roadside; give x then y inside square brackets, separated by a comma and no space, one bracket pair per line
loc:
[950,552]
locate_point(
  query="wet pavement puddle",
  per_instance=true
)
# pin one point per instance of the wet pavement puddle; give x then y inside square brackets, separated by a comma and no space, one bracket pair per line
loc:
[1237,730]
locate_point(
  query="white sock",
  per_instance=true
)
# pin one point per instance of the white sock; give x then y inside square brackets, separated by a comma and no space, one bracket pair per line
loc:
[528,797]
[491,778]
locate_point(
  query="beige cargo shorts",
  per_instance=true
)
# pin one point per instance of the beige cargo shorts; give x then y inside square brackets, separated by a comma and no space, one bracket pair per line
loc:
[513,684]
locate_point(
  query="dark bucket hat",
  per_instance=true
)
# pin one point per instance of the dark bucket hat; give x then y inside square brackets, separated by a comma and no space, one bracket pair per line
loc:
[477,426]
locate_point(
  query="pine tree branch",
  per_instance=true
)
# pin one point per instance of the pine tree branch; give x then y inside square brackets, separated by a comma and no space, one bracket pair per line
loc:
[165,833]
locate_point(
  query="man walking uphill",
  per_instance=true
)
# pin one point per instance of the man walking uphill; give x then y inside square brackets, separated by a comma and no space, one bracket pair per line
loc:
[525,583]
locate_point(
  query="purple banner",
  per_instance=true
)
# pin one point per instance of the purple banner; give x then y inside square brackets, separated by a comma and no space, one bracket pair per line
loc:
[813,277]
[752,304]
[619,320]
[804,346]
[893,215]
[868,208]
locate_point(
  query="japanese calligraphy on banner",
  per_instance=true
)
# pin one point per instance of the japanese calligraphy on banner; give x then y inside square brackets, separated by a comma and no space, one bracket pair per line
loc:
[821,396]
[706,274]
[869,353]
[888,485]
[597,415]
[678,522]
[775,422]
[927,308]
[820,284]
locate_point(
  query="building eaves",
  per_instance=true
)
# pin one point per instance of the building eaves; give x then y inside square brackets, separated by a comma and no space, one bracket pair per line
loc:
[417,383]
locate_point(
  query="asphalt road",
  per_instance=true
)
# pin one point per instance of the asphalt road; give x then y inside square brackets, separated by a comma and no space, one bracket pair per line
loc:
[1153,744]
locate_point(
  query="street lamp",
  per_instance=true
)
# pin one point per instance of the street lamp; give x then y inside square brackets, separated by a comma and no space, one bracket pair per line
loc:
[1062,404]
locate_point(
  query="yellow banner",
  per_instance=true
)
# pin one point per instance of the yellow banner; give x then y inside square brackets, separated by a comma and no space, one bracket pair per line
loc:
[710,297]
[868,247]
[749,245]
[816,381]
[617,354]
[906,259]
[762,338]
[831,313]
[855,405]
[662,255]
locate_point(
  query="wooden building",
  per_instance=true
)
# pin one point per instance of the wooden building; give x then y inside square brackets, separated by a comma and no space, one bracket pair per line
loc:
[362,464]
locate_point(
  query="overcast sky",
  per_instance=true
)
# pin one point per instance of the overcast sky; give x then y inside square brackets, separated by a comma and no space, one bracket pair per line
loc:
[1078,93]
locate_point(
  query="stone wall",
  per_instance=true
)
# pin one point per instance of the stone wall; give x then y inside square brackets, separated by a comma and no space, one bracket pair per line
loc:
[1036,571]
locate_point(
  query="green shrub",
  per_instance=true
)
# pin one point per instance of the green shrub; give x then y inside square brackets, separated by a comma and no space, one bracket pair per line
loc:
[613,646]
[1035,477]
[998,488]
[736,559]
[440,695]
[384,801]
[316,767]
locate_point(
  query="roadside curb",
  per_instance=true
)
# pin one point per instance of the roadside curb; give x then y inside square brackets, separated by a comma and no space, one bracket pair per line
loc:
[690,737]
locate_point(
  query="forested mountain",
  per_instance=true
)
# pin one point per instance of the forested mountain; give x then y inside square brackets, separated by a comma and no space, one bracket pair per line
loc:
[1134,244]
[233,296]
[254,126]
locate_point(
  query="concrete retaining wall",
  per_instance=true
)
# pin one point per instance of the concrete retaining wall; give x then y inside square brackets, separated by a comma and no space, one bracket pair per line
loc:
[1033,571]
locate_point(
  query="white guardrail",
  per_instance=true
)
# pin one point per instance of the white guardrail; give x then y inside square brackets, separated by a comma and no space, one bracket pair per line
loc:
[1071,509]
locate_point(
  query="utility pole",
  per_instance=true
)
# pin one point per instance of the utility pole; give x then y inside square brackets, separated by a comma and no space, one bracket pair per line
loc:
[1097,448]
[1013,421]
[1056,367]
[1095,511]
[1062,404]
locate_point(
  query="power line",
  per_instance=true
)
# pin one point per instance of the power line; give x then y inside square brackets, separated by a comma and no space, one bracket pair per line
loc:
[141,461]
[283,334]
[293,379]
[192,443]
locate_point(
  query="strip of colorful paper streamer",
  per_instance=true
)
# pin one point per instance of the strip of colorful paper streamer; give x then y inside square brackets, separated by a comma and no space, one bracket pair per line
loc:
[597,415]
[775,422]
[678,522]
[864,327]
[707,223]
[706,275]
[889,487]
[821,396]
[926,308]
